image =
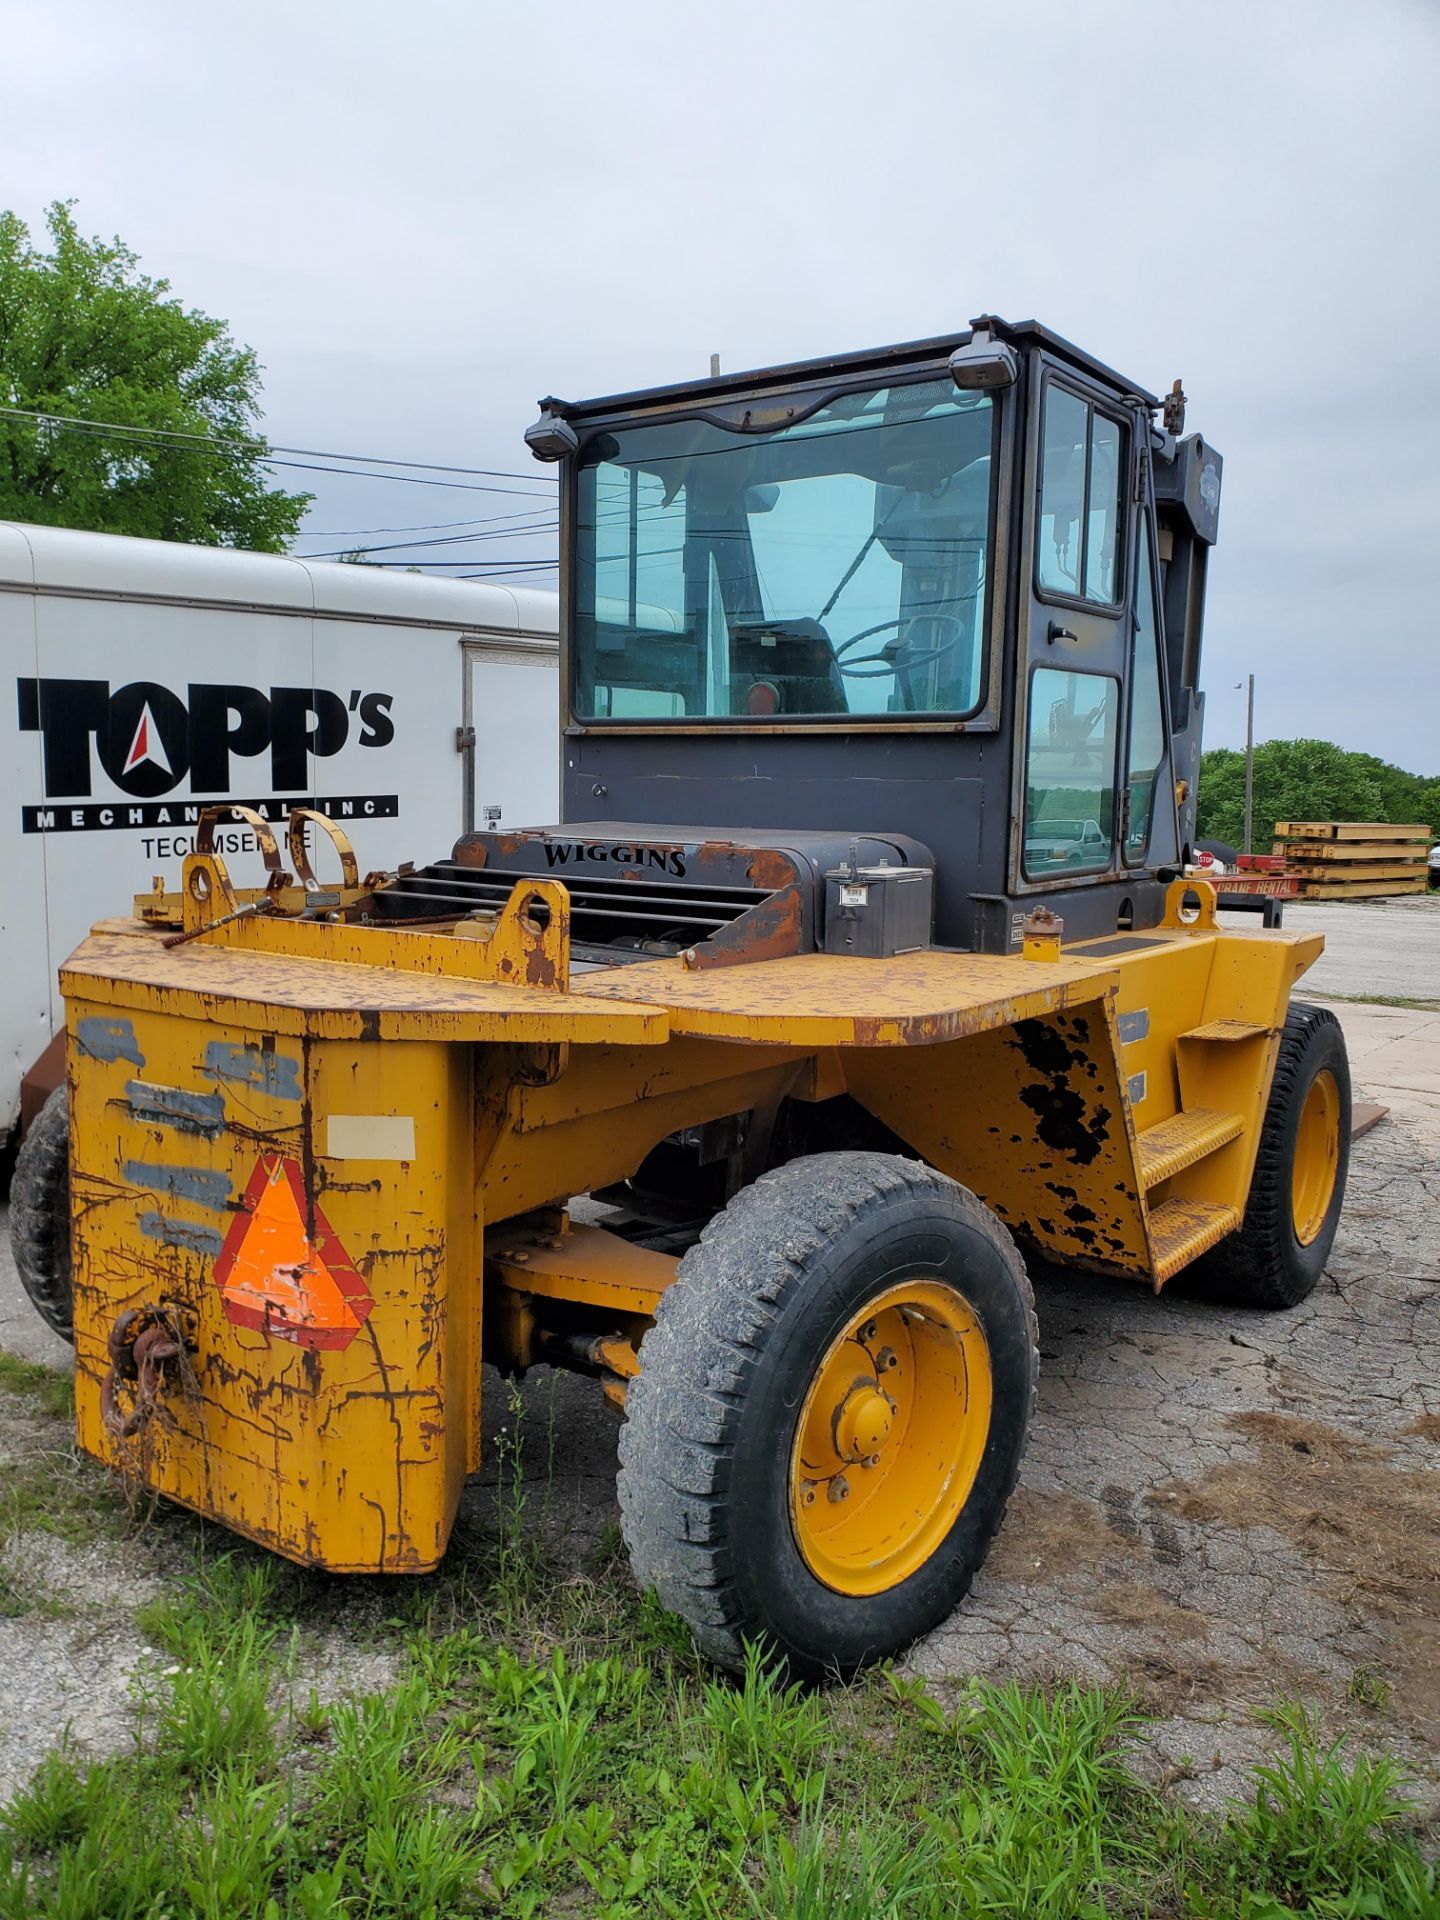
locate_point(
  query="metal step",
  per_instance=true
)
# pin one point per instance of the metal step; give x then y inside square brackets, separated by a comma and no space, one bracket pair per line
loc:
[1182,1230]
[1226,1030]
[1172,1145]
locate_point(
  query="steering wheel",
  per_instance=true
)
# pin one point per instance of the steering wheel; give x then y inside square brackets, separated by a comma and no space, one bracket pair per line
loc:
[874,666]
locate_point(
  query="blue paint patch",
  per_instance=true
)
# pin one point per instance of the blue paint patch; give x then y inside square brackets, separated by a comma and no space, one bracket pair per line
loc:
[202,1113]
[273,1073]
[182,1234]
[205,1186]
[105,1039]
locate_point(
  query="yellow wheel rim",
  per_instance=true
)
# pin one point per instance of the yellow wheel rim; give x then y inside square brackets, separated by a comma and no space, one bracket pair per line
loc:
[890,1437]
[1317,1158]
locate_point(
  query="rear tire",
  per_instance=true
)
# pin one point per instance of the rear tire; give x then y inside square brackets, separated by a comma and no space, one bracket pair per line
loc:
[1277,1255]
[830,1413]
[40,1215]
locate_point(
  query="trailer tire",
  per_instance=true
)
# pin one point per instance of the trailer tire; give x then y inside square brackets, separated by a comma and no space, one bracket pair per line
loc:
[40,1214]
[1276,1256]
[835,1288]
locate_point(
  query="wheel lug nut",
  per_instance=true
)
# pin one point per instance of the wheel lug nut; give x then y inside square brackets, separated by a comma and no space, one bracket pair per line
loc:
[887,1358]
[839,1488]
[869,1330]
[807,1493]
[871,1460]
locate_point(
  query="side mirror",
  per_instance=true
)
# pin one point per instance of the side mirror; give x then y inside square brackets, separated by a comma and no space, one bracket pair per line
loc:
[551,438]
[984,364]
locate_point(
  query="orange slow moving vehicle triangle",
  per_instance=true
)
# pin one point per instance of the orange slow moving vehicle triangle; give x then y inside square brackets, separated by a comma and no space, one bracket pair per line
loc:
[273,1276]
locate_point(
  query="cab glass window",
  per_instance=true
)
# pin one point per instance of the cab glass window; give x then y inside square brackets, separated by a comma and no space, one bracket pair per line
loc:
[1146,748]
[1081,518]
[833,565]
[1070,773]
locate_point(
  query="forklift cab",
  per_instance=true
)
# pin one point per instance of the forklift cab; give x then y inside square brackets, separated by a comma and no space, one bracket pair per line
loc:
[952,591]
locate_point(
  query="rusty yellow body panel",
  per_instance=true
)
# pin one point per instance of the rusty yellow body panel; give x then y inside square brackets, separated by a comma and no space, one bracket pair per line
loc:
[828,1000]
[310,1151]
[333,999]
[330,1402]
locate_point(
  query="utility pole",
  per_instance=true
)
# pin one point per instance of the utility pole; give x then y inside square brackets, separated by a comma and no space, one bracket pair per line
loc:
[1249,757]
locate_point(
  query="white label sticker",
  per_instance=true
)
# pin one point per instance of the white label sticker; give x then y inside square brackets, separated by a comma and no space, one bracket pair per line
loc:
[370,1136]
[854,896]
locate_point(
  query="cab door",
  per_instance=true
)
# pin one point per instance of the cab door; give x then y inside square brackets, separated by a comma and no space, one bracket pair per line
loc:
[1075,632]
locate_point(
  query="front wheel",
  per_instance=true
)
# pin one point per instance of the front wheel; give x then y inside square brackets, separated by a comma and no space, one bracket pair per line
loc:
[1298,1188]
[830,1413]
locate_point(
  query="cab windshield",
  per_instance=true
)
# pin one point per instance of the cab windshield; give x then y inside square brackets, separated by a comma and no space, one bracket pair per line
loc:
[838,565]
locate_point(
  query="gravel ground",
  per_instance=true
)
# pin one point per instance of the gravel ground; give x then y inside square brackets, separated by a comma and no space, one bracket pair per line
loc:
[1371,946]
[1217,1508]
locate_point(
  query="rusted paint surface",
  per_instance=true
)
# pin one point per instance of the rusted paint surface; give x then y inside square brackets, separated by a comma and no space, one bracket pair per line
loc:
[772,869]
[769,931]
[524,950]
[1039,1129]
[820,999]
[349,1457]
[296,995]
[301,820]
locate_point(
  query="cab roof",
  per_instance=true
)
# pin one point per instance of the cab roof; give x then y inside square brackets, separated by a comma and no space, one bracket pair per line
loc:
[1020,333]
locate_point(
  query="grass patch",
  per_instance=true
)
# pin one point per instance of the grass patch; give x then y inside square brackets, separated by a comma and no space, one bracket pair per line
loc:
[554,1746]
[47,1485]
[58,1491]
[611,1773]
[54,1391]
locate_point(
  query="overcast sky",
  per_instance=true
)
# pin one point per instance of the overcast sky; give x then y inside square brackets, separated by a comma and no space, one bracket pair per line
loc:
[423,217]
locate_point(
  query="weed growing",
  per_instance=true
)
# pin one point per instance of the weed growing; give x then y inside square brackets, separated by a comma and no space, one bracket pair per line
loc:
[600,1768]
[54,1392]
[553,1745]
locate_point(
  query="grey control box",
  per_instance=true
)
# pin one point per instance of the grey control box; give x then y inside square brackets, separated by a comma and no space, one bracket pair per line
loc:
[873,913]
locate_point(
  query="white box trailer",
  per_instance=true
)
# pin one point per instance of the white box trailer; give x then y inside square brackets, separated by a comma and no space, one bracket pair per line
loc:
[146,680]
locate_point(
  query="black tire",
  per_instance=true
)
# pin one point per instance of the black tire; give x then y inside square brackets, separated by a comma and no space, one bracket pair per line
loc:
[1263,1263]
[40,1215]
[711,1420]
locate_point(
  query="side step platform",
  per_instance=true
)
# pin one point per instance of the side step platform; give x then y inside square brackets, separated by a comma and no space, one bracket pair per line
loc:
[1181,1230]
[1174,1144]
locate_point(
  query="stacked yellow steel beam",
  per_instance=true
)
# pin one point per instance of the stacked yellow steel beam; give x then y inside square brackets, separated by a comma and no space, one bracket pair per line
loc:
[1353,859]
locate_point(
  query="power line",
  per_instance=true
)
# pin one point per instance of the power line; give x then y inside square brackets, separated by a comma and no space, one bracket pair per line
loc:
[424,526]
[175,442]
[225,441]
[469,560]
[492,569]
[449,540]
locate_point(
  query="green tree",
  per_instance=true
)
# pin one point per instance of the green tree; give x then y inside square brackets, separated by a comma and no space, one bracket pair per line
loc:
[1307,780]
[85,335]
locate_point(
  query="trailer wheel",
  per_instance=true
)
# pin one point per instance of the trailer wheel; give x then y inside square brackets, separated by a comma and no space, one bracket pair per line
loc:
[40,1214]
[830,1413]
[1279,1252]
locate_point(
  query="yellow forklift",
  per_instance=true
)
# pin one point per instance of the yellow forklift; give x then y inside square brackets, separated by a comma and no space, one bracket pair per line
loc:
[863,967]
